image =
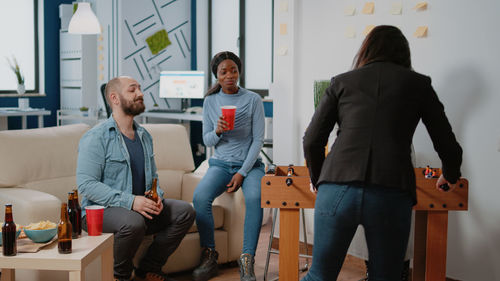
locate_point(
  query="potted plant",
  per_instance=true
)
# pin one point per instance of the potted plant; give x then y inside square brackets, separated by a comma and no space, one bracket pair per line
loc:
[84,110]
[17,71]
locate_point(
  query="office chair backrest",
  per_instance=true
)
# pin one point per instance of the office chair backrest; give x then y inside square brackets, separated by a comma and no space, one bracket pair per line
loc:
[103,93]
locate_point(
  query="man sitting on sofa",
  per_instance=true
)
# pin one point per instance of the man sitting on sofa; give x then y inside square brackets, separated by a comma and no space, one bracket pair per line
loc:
[115,168]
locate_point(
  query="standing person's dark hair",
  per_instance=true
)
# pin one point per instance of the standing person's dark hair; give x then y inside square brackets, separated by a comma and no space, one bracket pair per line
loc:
[384,43]
[214,63]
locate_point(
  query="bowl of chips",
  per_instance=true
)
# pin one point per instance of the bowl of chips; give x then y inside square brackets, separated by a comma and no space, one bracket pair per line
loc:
[41,232]
[18,231]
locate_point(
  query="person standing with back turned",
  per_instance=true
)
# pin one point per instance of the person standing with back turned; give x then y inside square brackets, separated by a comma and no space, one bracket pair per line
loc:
[234,164]
[368,177]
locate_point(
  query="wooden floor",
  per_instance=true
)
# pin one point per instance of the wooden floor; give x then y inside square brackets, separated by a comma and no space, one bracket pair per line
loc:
[353,269]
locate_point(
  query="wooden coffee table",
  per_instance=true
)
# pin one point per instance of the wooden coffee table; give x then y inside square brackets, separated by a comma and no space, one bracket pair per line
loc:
[85,250]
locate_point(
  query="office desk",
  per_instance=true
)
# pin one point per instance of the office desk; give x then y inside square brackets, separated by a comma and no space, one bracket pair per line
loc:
[172,116]
[6,112]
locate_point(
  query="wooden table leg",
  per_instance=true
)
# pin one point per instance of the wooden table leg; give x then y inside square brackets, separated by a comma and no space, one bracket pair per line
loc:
[289,244]
[437,234]
[418,272]
[8,274]
[77,275]
[107,264]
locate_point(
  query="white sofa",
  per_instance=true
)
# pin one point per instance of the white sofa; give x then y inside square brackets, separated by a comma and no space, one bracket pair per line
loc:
[37,170]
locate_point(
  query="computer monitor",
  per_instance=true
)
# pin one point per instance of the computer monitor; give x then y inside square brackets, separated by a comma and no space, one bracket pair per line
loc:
[182,84]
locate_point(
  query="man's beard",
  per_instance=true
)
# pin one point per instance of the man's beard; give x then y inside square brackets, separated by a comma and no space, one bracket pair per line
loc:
[131,107]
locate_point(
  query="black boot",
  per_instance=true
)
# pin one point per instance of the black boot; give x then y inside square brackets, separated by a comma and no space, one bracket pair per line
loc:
[246,262]
[405,275]
[208,265]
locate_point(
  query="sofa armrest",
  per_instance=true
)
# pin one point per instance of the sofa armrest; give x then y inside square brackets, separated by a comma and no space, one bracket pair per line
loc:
[30,205]
[234,212]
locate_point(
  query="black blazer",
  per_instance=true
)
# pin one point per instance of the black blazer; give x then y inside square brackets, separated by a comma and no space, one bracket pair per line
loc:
[377,108]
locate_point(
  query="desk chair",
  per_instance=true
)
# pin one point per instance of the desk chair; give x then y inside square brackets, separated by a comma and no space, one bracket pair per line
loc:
[106,105]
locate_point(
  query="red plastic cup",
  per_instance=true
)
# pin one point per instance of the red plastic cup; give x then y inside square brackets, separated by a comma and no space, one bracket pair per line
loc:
[228,112]
[94,219]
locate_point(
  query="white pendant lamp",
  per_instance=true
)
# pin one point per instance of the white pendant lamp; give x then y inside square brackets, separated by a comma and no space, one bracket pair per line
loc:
[84,21]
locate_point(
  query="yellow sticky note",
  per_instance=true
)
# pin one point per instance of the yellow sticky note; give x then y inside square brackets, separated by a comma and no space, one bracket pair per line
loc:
[421,6]
[283,28]
[349,11]
[282,51]
[421,32]
[368,28]
[100,38]
[101,67]
[396,8]
[284,6]
[100,47]
[100,57]
[101,77]
[369,8]
[350,32]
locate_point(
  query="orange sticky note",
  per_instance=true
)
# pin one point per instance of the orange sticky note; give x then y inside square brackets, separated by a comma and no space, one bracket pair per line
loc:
[368,28]
[421,32]
[350,32]
[349,11]
[420,6]
[369,8]
[396,8]
[283,28]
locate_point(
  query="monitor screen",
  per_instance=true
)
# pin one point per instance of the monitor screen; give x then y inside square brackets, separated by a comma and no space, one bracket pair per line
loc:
[182,84]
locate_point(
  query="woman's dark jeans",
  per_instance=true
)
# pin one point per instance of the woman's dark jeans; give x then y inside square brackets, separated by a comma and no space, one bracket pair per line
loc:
[385,214]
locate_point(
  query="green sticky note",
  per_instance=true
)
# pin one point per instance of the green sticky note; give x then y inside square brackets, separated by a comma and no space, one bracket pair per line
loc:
[319,89]
[158,41]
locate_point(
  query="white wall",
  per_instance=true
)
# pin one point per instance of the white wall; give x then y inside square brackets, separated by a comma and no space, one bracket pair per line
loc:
[460,54]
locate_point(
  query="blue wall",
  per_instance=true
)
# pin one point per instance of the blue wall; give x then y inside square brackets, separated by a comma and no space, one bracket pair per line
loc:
[51,45]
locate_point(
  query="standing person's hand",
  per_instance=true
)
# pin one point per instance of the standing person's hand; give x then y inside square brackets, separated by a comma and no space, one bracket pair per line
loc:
[442,181]
[146,207]
[222,125]
[313,189]
[235,183]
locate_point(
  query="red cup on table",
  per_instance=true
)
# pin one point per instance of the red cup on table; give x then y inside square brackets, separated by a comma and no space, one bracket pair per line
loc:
[94,215]
[228,112]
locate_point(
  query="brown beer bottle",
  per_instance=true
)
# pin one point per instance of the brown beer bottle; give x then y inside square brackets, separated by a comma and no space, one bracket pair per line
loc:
[9,243]
[153,194]
[73,215]
[79,211]
[64,230]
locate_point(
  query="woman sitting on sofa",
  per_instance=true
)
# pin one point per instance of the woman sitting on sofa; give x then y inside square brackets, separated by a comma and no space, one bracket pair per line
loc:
[234,164]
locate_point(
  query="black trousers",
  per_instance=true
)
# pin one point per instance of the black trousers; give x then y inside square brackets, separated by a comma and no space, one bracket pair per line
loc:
[130,227]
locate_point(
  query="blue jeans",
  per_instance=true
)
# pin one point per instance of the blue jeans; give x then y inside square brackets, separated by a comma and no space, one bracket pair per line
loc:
[213,184]
[385,214]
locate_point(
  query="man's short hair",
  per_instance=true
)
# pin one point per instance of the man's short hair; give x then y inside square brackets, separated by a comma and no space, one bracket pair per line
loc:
[113,85]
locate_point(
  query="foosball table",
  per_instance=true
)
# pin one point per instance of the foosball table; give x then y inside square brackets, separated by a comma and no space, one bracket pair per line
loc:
[287,188]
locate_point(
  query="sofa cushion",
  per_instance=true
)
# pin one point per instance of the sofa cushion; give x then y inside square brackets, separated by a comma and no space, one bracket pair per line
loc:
[30,205]
[59,187]
[171,147]
[171,183]
[38,154]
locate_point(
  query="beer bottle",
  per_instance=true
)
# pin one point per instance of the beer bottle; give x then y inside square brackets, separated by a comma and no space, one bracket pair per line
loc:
[73,215]
[64,230]
[9,243]
[153,194]
[79,211]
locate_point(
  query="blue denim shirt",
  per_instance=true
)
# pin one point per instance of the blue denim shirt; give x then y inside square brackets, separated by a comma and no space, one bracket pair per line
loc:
[103,173]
